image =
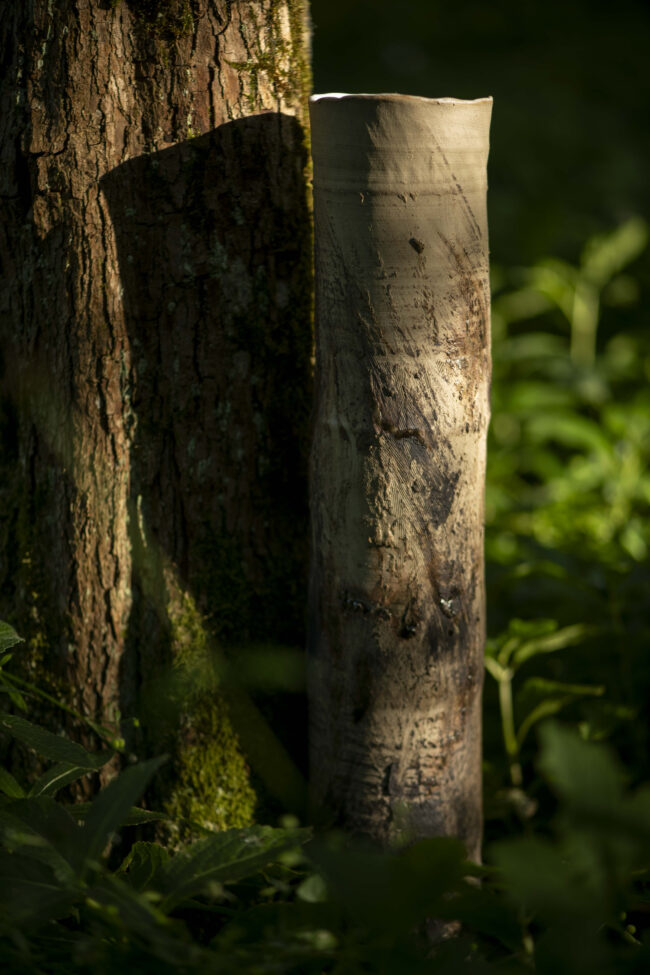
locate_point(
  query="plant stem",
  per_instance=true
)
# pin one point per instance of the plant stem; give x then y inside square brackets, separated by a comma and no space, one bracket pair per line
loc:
[508,727]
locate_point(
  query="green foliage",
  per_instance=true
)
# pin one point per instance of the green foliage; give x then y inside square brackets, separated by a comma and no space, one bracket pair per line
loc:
[61,901]
[571,898]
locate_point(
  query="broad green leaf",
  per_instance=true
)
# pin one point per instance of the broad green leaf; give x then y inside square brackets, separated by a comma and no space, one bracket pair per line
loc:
[144,864]
[51,746]
[8,637]
[579,771]
[541,877]
[9,785]
[225,857]
[113,804]
[56,777]
[592,785]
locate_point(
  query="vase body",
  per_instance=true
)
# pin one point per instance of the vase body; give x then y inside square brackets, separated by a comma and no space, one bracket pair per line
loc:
[397,601]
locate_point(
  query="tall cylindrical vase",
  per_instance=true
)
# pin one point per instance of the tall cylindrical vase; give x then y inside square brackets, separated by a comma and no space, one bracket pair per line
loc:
[397,602]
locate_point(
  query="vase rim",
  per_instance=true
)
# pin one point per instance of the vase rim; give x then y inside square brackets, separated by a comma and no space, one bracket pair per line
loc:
[395,96]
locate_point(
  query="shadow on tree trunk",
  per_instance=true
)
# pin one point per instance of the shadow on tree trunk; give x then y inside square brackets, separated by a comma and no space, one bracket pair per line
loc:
[215,266]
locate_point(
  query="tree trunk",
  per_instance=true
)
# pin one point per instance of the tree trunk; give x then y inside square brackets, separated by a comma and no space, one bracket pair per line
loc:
[398,462]
[155,307]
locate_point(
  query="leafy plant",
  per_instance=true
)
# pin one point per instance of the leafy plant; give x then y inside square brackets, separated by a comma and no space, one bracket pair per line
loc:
[568,503]
[576,291]
[505,655]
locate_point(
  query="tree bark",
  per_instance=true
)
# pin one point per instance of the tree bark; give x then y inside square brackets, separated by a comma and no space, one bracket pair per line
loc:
[398,461]
[154,328]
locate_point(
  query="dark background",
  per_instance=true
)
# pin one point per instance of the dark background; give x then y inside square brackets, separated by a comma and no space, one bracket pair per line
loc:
[571,83]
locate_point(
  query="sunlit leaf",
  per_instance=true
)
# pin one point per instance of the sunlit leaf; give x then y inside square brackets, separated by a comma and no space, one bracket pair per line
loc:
[57,777]
[9,786]
[8,637]
[225,857]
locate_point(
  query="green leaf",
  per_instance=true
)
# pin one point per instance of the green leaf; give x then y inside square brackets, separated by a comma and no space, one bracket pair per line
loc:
[313,889]
[113,804]
[555,280]
[568,636]
[570,430]
[56,777]
[544,709]
[30,893]
[51,746]
[607,254]
[14,695]
[516,306]
[8,637]
[580,772]
[9,785]
[136,816]
[554,696]
[144,865]
[502,648]
[41,828]
[225,857]
[120,910]
[539,877]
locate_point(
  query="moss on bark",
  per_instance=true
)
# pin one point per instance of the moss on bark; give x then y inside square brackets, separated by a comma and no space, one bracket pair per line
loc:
[210,784]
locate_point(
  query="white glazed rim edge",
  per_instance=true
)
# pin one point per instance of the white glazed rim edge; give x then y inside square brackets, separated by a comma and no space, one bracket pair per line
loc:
[395,96]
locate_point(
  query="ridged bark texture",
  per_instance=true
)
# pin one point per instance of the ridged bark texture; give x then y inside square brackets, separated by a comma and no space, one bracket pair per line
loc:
[155,337]
[398,463]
